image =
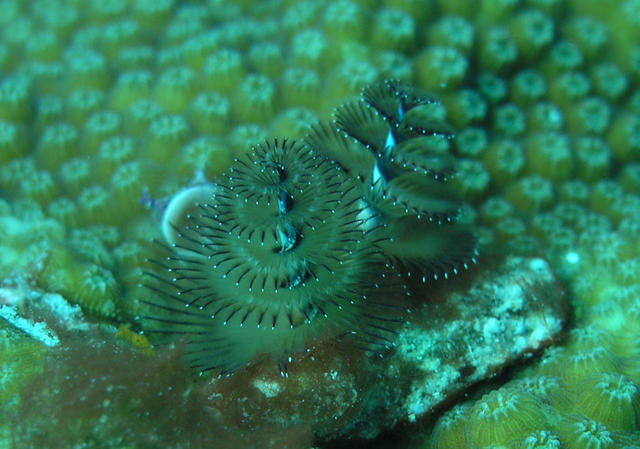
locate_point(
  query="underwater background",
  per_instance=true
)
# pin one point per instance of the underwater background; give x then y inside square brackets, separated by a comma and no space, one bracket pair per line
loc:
[108,108]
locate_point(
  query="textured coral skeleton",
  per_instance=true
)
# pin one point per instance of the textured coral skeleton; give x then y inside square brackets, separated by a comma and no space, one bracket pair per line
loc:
[308,240]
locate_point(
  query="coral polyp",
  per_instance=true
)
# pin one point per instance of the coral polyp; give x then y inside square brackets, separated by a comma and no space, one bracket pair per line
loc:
[612,400]
[501,416]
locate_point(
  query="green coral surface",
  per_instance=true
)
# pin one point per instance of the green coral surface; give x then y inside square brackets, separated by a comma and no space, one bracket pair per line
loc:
[110,107]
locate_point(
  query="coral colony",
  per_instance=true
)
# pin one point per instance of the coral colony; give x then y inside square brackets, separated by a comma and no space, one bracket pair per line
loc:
[310,239]
[102,102]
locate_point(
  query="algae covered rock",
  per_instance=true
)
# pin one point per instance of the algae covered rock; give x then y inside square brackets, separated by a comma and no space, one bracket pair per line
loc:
[453,340]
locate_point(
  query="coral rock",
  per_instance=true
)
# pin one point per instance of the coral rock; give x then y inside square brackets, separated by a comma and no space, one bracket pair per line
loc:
[455,339]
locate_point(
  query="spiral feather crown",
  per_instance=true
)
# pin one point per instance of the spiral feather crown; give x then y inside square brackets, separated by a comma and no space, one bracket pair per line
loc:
[396,145]
[310,240]
[279,255]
